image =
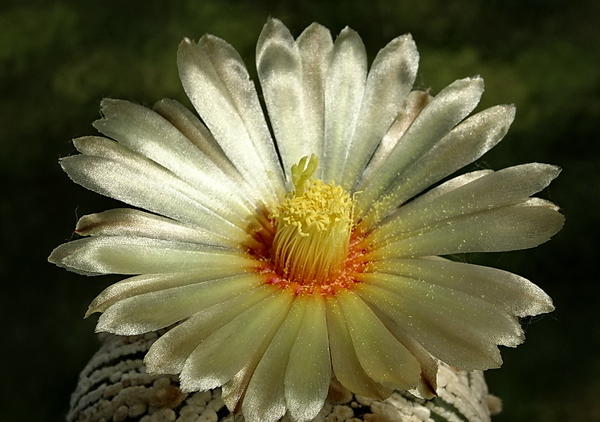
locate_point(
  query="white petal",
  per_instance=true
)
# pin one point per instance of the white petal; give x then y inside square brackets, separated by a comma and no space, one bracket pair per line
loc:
[384,359]
[132,222]
[139,255]
[217,83]
[453,305]
[493,190]
[265,400]
[346,365]
[110,169]
[155,310]
[513,294]
[446,110]
[463,145]
[390,79]
[344,90]
[426,388]
[315,46]
[147,283]
[169,353]
[520,226]
[308,373]
[225,352]
[291,76]
[151,135]
[447,186]
[194,130]
[414,104]
[456,328]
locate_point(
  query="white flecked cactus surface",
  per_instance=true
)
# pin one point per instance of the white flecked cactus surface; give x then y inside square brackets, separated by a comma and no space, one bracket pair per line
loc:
[114,386]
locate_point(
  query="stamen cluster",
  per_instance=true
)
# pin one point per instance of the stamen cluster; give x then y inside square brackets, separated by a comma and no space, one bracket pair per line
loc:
[314,225]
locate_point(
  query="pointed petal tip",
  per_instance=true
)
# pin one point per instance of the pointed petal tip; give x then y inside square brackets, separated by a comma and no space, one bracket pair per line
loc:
[477,81]
[210,40]
[406,45]
[272,24]
[80,143]
[271,20]
[405,38]
[184,44]
[52,257]
[108,104]
[315,26]
[540,303]
[59,254]
[474,82]
[89,312]
[185,50]
[95,306]
[346,32]
[510,110]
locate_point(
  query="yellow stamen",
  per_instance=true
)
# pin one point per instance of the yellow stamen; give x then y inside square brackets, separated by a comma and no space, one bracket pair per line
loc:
[314,224]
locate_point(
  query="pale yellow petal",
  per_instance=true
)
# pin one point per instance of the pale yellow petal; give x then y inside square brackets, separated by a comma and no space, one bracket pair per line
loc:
[448,330]
[346,365]
[384,359]
[509,292]
[308,373]
[147,283]
[152,311]
[265,400]
[225,352]
[169,353]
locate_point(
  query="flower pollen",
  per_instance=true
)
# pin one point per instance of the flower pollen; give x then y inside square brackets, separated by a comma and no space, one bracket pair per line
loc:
[313,229]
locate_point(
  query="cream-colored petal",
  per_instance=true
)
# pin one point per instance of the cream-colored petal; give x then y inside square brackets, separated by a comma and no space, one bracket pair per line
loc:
[225,352]
[346,366]
[461,146]
[446,187]
[265,399]
[291,74]
[414,104]
[456,306]
[151,135]
[381,355]
[139,255]
[388,84]
[316,48]
[147,283]
[444,112]
[513,294]
[426,388]
[505,187]
[218,85]
[521,226]
[308,373]
[194,130]
[169,353]
[454,327]
[158,309]
[132,222]
[345,84]
[232,72]
[110,169]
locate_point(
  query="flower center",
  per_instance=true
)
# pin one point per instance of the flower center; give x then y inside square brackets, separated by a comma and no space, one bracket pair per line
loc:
[314,224]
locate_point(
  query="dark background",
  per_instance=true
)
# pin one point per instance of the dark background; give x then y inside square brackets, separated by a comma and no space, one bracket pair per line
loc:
[58,59]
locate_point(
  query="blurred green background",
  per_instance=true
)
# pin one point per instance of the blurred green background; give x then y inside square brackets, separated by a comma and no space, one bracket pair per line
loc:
[58,59]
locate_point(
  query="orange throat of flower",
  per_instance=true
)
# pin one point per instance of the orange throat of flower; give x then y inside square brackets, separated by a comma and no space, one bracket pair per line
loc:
[313,248]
